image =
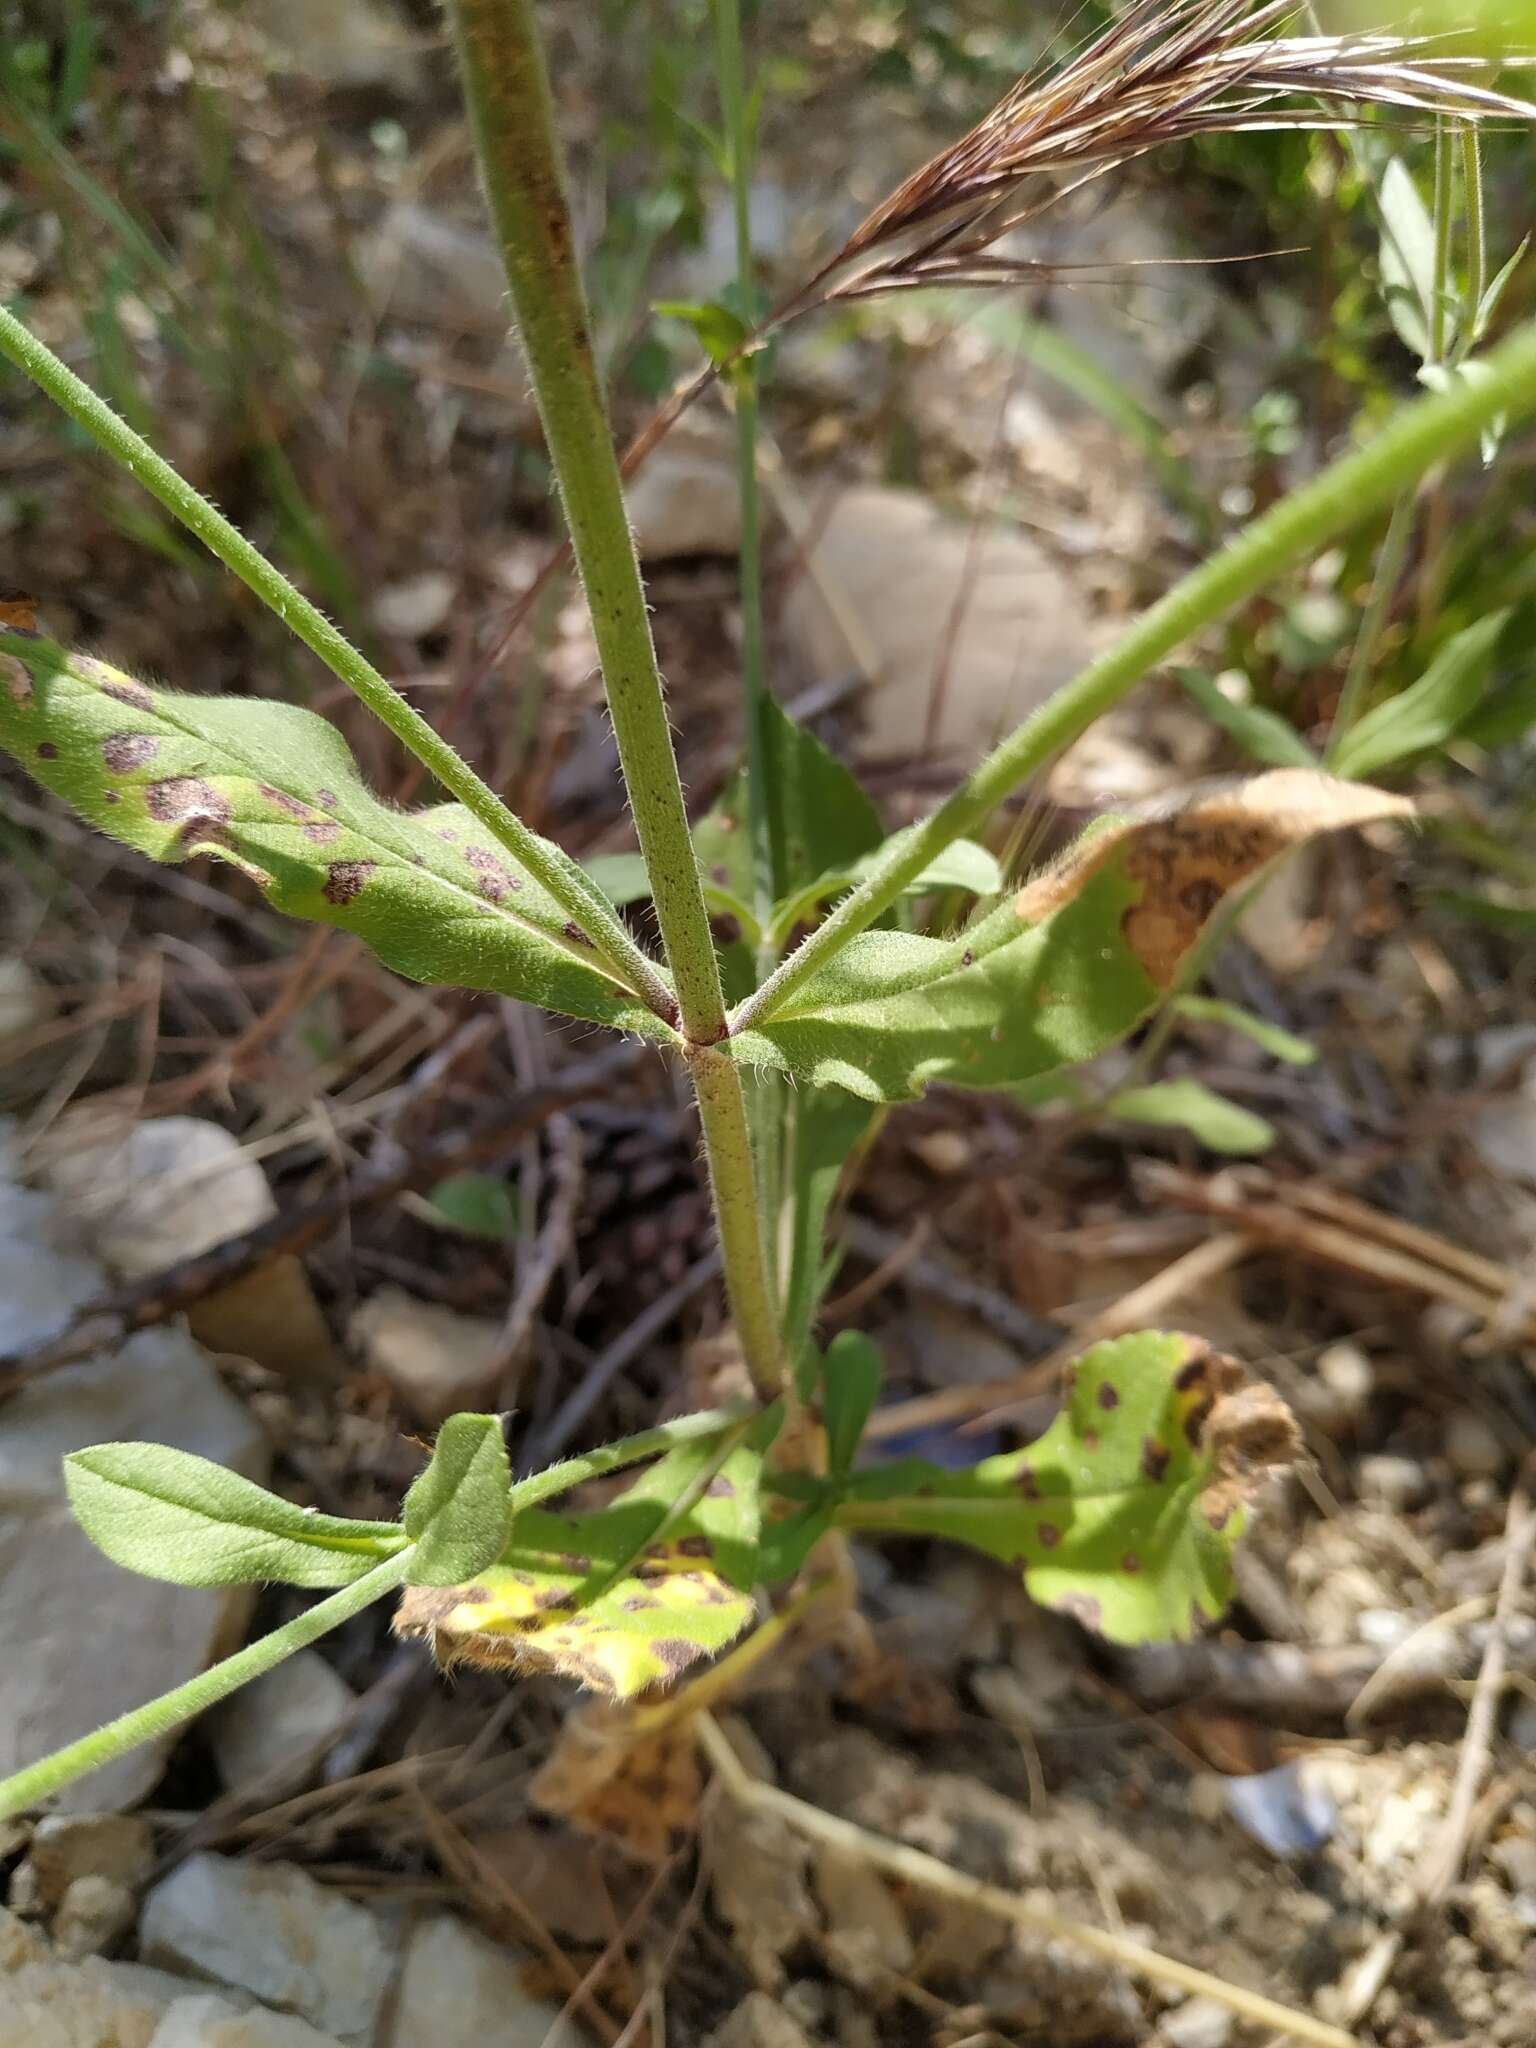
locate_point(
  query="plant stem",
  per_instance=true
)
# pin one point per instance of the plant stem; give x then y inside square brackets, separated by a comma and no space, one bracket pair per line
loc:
[1445,199]
[629,1450]
[544,862]
[512,115]
[28,1788]
[1429,431]
[744,386]
[1477,236]
[728,1143]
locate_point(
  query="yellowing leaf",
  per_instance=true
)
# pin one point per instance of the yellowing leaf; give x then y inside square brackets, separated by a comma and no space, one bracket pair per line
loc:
[1126,1512]
[623,1599]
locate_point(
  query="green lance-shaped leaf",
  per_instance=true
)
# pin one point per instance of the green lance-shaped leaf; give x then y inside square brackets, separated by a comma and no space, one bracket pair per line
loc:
[170,1515]
[850,1386]
[1126,1512]
[1432,710]
[1076,960]
[622,1599]
[1186,1104]
[272,789]
[459,1512]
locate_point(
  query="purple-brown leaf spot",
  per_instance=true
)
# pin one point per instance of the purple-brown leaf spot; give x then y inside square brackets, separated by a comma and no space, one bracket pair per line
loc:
[554,1599]
[696,1546]
[575,934]
[1108,1396]
[1130,1563]
[328,797]
[966,958]
[676,1652]
[112,682]
[639,1601]
[18,679]
[720,1488]
[1029,1485]
[110,796]
[1196,1419]
[1047,1535]
[1219,1515]
[1192,1374]
[322,832]
[572,1561]
[186,799]
[128,750]
[344,879]
[1154,1459]
[47,751]
[1090,1439]
[283,801]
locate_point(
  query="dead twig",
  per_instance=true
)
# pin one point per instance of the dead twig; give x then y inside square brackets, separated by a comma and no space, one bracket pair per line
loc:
[1028,1910]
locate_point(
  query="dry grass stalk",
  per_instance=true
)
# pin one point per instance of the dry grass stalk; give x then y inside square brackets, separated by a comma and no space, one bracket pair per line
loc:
[1166,71]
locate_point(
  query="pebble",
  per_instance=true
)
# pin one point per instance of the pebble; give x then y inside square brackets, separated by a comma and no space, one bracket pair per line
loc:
[416,606]
[1201,2023]
[1349,1377]
[867,1937]
[436,1360]
[1391,1481]
[1474,1447]
[46,2003]
[759,2022]
[271,1930]
[93,1913]
[100,1639]
[459,1990]
[211,2022]
[282,1718]
[68,1846]
[157,1192]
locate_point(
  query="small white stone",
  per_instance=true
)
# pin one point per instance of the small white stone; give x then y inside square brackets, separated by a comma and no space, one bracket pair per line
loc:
[67,1846]
[685,500]
[867,1937]
[758,2022]
[459,1990]
[1200,2023]
[23,1000]
[436,1360]
[280,1718]
[210,2022]
[415,607]
[1391,1481]
[101,1640]
[149,1194]
[269,1929]
[1474,1447]
[1346,1371]
[93,1912]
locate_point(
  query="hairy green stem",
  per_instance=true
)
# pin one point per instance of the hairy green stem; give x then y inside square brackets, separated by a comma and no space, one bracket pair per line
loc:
[717,1082]
[1429,431]
[1445,201]
[1477,235]
[629,1450]
[612,942]
[28,1788]
[1389,574]
[512,115]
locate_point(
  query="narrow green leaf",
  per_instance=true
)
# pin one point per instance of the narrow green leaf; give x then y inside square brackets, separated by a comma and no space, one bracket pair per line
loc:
[1497,287]
[273,790]
[1127,1511]
[1188,1105]
[170,1515]
[850,1387]
[1408,266]
[1431,711]
[622,1599]
[1262,734]
[621,877]
[1063,970]
[459,1512]
[962,865]
[1278,1043]
[822,1128]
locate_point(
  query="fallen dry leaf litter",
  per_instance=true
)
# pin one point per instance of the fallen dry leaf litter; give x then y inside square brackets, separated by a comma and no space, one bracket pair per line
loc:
[222,1217]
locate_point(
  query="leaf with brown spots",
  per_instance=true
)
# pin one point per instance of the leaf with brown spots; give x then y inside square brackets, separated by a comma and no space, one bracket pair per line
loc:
[625,1598]
[1076,960]
[272,790]
[1126,1512]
